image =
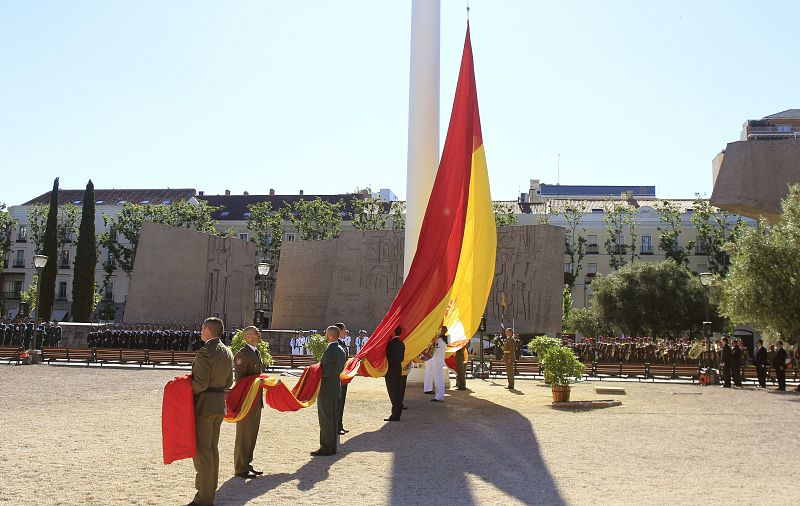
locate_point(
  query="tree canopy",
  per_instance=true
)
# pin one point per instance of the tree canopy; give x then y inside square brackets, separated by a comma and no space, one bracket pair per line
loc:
[763,282]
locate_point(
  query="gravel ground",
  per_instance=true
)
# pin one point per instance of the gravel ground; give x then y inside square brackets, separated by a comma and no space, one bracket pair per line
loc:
[76,435]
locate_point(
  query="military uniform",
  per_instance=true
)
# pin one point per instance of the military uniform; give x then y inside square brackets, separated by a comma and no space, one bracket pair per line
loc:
[247,363]
[332,364]
[212,374]
[509,356]
[461,368]
[342,390]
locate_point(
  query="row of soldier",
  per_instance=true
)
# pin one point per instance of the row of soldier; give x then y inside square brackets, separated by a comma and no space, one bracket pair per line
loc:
[298,344]
[16,333]
[150,337]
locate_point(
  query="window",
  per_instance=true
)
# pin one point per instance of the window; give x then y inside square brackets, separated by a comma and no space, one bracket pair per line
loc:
[112,233]
[568,267]
[591,270]
[289,238]
[243,236]
[64,259]
[647,245]
[701,268]
[701,247]
[22,233]
[591,245]
[108,292]
[19,259]
[110,259]
[62,290]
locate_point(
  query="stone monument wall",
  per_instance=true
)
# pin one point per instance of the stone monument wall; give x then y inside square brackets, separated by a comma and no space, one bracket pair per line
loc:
[180,275]
[355,277]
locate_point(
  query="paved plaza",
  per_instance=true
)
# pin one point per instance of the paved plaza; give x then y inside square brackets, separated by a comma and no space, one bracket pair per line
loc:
[76,435]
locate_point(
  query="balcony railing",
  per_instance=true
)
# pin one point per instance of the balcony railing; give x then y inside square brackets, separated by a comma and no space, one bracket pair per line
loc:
[592,249]
[773,132]
[646,250]
[18,265]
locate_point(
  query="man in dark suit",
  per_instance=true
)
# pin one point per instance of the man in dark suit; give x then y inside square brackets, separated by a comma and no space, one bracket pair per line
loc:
[779,364]
[395,351]
[343,391]
[332,363]
[248,363]
[212,374]
[725,361]
[736,363]
[761,363]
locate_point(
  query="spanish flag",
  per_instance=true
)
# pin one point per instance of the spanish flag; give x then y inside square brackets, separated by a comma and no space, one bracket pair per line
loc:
[452,272]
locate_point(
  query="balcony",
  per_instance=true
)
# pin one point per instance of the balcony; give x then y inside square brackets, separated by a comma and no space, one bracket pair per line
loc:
[592,249]
[10,295]
[18,265]
[646,250]
[773,132]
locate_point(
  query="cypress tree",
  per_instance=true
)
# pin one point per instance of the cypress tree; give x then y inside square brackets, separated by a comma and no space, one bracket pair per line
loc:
[85,261]
[47,282]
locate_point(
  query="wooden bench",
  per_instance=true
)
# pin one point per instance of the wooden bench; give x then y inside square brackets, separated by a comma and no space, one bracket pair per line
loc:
[497,368]
[160,357]
[620,370]
[68,355]
[527,368]
[120,356]
[183,357]
[292,361]
[673,371]
[11,353]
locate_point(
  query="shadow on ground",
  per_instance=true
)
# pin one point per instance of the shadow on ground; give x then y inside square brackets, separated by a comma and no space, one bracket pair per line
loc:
[434,445]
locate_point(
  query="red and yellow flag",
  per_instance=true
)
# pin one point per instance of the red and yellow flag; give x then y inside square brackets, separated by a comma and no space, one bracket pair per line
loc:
[453,269]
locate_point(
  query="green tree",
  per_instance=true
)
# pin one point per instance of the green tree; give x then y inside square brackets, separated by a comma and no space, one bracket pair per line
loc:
[369,213]
[7,225]
[620,218]
[47,281]
[67,224]
[315,219]
[83,281]
[576,243]
[762,286]
[657,299]
[669,242]
[504,214]
[29,296]
[238,342]
[589,322]
[397,215]
[716,233]
[566,305]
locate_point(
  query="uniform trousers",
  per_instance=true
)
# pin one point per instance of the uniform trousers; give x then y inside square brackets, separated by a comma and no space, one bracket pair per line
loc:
[246,436]
[434,378]
[510,373]
[206,458]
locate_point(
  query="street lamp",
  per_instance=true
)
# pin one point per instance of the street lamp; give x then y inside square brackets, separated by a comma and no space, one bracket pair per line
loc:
[706,278]
[39,261]
[263,269]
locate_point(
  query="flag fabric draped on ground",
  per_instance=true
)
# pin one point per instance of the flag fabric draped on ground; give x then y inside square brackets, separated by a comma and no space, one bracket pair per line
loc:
[453,268]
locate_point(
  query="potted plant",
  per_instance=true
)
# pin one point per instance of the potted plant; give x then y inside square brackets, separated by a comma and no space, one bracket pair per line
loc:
[560,366]
[539,345]
[317,345]
[237,343]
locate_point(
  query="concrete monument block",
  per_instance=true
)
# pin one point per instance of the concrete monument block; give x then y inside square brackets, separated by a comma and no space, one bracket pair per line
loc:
[751,177]
[180,275]
[355,277]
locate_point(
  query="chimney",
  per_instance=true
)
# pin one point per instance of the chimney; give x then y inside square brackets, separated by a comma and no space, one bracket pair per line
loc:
[227,193]
[301,192]
[246,193]
[201,193]
[271,192]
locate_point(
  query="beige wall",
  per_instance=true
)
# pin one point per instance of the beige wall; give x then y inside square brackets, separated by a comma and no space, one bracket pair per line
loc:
[181,275]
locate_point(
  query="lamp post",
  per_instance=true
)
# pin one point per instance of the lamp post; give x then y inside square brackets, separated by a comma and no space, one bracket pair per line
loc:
[263,269]
[39,261]
[705,279]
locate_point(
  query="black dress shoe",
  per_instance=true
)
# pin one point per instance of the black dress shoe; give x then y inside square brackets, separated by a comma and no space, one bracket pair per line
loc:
[390,419]
[247,475]
[428,392]
[436,400]
[256,472]
[321,453]
[461,388]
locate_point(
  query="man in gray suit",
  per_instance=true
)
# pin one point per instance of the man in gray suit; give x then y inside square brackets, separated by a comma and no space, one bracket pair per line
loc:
[332,364]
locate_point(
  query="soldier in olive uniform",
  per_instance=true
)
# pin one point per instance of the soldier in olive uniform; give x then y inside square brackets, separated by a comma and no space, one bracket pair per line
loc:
[332,364]
[461,357]
[509,356]
[248,363]
[212,374]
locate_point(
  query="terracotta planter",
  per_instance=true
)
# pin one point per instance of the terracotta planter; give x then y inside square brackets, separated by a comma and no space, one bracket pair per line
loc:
[560,393]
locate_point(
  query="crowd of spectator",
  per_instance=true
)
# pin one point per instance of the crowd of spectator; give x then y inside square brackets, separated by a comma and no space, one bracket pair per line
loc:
[150,337]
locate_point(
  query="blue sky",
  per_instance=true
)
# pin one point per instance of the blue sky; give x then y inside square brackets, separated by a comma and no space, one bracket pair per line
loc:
[253,95]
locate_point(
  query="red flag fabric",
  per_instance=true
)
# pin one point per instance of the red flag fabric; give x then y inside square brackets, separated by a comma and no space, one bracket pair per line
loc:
[177,420]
